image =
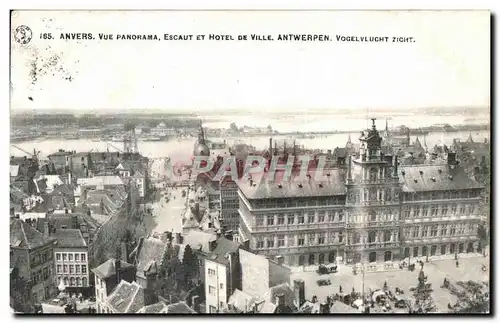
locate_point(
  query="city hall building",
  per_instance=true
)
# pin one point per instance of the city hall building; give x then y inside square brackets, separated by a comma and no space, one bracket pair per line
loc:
[371,211]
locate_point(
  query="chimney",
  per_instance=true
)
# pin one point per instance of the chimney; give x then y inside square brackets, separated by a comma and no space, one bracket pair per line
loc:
[178,238]
[195,303]
[299,291]
[280,259]
[118,271]
[212,245]
[46,230]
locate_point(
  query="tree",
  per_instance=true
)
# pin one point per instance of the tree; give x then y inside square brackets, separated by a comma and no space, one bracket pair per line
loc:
[190,264]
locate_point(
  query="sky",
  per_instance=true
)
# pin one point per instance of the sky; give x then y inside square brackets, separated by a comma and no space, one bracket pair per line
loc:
[447,65]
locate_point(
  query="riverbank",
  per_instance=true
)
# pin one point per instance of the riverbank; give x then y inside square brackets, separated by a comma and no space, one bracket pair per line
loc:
[182,149]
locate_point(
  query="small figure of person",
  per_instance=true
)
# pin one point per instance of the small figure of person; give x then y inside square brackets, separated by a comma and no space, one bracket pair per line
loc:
[340,289]
[457,263]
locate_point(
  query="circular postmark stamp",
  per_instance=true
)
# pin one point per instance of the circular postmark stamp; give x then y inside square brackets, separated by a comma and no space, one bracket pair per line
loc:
[23,34]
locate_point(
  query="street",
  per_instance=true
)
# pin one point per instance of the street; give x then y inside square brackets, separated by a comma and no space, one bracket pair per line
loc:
[168,215]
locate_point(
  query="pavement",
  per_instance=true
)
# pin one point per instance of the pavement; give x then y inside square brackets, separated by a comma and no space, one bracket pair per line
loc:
[168,215]
[436,271]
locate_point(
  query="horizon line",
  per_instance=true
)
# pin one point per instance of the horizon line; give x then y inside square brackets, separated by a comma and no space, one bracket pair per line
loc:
[215,111]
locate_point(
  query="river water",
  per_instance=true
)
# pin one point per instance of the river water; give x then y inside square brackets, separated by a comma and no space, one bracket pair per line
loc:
[181,149]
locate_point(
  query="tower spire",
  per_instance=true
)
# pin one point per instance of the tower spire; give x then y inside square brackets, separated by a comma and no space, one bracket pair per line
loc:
[469,140]
[201,135]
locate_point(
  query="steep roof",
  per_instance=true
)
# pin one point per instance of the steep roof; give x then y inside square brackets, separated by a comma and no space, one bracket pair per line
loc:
[22,235]
[150,255]
[107,269]
[340,152]
[156,308]
[223,247]
[332,184]
[281,289]
[17,194]
[241,300]
[199,238]
[180,308]
[69,238]
[126,297]
[62,221]
[434,177]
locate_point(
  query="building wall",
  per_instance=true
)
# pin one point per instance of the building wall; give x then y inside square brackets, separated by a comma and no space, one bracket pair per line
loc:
[254,273]
[229,202]
[60,161]
[216,280]
[36,265]
[72,266]
[437,223]
[100,295]
[373,208]
[304,230]
[278,274]
[363,229]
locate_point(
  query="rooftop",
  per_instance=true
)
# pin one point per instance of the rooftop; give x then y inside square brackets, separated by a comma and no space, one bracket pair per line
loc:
[107,269]
[69,238]
[100,180]
[434,177]
[126,297]
[241,300]
[150,255]
[333,183]
[22,235]
[180,308]
[198,239]
[223,248]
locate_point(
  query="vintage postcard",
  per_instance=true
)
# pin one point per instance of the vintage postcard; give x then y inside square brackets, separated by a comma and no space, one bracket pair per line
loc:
[250,162]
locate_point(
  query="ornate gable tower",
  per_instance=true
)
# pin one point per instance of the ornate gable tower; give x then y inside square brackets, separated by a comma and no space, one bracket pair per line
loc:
[372,205]
[200,146]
